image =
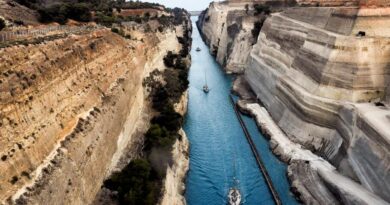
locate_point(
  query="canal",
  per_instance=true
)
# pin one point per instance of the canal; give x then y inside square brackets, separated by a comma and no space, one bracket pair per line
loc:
[219,150]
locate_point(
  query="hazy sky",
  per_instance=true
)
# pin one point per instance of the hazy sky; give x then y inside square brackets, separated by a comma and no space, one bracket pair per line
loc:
[190,5]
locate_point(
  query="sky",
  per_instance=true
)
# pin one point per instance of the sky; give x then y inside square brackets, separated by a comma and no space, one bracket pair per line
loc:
[190,5]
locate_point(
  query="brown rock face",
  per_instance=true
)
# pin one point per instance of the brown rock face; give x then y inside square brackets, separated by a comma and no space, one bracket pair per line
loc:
[63,106]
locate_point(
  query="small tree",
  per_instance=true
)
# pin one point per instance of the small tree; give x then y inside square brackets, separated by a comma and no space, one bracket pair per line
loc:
[2,24]
[256,29]
[259,9]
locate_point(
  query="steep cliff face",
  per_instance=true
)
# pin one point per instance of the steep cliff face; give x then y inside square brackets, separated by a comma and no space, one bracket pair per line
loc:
[70,108]
[226,28]
[174,186]
[318,72]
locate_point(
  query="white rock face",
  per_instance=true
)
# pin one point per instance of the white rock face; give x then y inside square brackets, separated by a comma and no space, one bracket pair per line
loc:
[227,29]
[314,167]
[318,81]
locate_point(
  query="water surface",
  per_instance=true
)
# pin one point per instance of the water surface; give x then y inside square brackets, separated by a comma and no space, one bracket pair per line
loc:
[219,150]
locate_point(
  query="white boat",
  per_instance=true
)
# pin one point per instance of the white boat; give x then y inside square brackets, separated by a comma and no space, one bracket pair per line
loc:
[198,49]
[234,196]
[206,89]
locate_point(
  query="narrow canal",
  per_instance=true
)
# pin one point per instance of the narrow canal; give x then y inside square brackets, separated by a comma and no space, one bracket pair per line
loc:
[219,150]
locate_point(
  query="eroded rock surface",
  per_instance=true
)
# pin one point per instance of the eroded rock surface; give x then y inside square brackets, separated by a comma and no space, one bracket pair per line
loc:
[70,108]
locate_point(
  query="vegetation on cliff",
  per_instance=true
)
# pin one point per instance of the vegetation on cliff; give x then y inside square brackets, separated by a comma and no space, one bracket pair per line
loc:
[2,24]
[263,11]
[62,12]
[104,11]
[140,182]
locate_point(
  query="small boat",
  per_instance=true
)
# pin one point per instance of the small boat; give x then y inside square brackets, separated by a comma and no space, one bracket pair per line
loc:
[206,89]
[234,196]
[198,49]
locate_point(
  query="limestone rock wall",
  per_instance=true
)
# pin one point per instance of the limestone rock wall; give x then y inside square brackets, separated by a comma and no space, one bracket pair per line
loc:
[319,82]
[307,78]
[227,29]
[67,107]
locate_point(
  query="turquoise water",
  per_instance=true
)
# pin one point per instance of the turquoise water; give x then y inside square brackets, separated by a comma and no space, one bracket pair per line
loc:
[219,150]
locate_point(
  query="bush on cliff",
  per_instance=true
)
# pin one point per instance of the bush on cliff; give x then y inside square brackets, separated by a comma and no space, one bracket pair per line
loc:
[154,135]
[104,19]
[2,24]
[256,30]
[169,59]
[61,12]
[137,183]
[259,9]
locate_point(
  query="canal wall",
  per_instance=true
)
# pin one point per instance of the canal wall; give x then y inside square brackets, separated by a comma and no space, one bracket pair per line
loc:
[306,166]
[74,110]
[174,183]
[320,83]
[259,161]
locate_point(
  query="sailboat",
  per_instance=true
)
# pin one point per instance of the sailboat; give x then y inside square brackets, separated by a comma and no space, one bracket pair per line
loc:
[205,87]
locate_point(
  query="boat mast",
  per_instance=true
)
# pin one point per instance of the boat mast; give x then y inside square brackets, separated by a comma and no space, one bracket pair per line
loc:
[234,169]
[205,78]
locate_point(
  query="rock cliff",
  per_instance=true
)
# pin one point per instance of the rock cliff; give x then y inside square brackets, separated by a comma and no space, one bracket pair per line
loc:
[322,73]
[70,108]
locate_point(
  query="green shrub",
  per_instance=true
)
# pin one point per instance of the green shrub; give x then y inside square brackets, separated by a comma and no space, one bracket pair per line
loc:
[159,98]
[115,30]
[105,19]
[256,29]
[154,133]
[80,12]
[2,24]
[61,12]
[169,119]
[169,59]
[138,19]
[137,183]
[259,9]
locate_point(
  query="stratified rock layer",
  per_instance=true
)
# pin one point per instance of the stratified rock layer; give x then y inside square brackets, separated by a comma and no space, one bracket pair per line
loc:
[69,107]
[318,72]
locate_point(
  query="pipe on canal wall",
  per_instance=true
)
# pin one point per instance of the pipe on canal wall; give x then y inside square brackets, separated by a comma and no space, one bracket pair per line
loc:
[259,161]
